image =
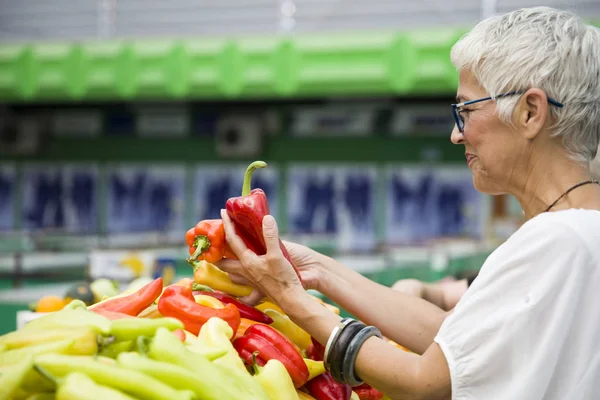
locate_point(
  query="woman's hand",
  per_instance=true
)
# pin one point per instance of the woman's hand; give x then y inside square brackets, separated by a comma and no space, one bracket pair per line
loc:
[271,274]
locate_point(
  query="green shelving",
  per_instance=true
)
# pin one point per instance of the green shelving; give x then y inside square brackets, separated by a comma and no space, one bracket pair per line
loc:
[221,68]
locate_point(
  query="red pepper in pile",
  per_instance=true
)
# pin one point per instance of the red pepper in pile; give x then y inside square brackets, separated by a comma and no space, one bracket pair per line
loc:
[367,392]
[247,213]
[178,302]
[246,311]
[134,303]
[207,242]
[316,351]
[271,344]
[324,387]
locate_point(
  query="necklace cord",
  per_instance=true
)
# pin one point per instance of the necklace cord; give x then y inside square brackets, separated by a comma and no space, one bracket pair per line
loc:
[570,189]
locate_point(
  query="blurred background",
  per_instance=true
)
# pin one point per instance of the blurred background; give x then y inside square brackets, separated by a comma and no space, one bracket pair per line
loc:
[125,122]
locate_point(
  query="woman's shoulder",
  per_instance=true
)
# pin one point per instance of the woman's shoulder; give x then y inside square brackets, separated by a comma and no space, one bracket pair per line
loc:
[570,227]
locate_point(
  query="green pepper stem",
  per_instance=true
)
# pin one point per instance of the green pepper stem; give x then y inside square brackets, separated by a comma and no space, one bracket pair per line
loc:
[246,188]
[254,364]
[143,345]
[196,287]
[201,243]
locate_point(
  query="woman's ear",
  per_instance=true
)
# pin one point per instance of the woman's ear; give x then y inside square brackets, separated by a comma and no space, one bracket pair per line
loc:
[531,113]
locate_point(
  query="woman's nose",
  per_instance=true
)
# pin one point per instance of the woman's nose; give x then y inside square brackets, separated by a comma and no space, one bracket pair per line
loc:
[457,136]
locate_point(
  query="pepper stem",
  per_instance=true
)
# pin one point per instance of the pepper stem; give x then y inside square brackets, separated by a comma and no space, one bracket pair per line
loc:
[196,287]
[246,188]
[254,364]
[201,243]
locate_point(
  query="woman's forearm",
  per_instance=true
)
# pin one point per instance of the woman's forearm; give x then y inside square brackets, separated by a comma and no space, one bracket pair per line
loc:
[408,320]
[401,376]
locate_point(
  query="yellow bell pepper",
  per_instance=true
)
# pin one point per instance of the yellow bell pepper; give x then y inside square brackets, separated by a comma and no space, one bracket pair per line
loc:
[209,274]
[275,380]
[354,396]
[284,324]
[266,305]
[304,396]
[315,368]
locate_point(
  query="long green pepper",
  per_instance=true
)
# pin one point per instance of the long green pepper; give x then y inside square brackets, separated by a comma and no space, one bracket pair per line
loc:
[131,328]
[78,386]
[11,377]
[16,355]
[71,318]
[224,384]
[174,375]
[132,382]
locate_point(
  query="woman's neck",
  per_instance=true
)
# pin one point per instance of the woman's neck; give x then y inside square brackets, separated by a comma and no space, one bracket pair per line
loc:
[548,179]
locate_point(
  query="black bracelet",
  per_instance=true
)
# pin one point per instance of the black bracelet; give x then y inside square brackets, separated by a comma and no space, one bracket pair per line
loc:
[338,350]
[348,365]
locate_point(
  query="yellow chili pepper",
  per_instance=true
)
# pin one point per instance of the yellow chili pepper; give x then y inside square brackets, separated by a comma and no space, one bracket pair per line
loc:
[275,380]
[354,396]
[304,396]
[209,274]
[215,334]
[269,305]
[315,368]
[208,301]
[284,324]
[151,312]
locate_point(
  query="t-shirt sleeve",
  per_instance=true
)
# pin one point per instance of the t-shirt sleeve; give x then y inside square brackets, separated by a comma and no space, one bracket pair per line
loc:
[510,325]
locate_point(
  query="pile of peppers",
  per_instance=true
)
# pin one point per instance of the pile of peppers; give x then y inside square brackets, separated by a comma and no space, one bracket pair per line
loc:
[193,339]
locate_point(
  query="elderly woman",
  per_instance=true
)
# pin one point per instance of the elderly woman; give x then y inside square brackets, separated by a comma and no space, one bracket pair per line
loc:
[528,116]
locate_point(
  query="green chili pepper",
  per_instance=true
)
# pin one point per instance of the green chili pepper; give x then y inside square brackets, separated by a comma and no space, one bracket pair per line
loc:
[224,384]
[131,382]
[78,386]
[114,349]
[75,318]
[15,356]
[11,377]
[34,382]
[131,328]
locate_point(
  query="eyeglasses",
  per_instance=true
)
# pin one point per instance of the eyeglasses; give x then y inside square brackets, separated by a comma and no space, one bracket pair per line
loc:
[457,108]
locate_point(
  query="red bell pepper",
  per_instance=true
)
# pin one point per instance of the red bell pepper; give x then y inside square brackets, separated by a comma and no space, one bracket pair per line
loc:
[207,242]
[316,351]
[246,311]
[271,344]
[324,387]
[134,303]
[367,392]
[178,302]
[247,213]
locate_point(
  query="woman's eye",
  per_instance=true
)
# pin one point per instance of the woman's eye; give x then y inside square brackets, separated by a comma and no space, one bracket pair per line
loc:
[464,113]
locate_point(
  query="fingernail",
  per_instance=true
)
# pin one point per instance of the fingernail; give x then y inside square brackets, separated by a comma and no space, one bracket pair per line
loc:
[268,221]
[222,212]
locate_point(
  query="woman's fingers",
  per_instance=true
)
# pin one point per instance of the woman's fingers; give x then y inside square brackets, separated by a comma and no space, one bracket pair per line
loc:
[230,266]
[253,298]
[235,242]
[239,280]
[271,235]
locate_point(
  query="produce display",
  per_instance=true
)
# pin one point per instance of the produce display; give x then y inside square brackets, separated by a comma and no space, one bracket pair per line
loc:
[193,339]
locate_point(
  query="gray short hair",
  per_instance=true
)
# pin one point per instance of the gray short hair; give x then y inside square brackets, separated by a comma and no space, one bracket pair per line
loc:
[544,48]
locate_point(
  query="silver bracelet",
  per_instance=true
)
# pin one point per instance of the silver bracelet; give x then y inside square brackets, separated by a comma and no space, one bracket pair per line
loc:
[358,340]
[332,338]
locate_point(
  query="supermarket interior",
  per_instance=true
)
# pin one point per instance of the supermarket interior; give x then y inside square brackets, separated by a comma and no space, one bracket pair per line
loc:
[123,123]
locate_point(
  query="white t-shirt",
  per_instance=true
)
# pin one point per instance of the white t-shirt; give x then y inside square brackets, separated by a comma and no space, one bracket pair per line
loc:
[529,326]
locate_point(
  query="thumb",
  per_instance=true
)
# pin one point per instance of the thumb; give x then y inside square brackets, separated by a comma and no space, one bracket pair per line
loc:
[271,234]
